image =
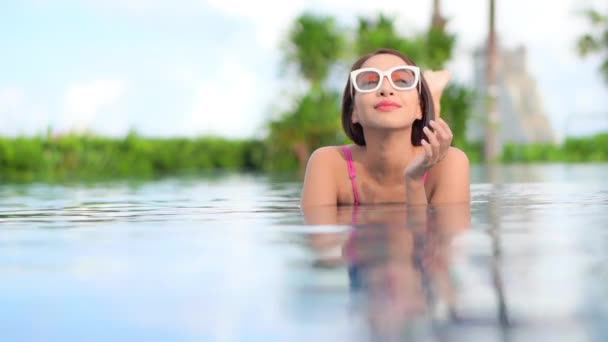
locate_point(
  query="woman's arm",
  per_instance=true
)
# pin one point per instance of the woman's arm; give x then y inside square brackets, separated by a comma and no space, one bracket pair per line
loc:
[435,148]
[451,179]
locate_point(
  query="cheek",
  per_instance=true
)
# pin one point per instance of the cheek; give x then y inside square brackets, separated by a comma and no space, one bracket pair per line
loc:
[361,100]
[412,101]
[412,97]
[359,103]
[418,107]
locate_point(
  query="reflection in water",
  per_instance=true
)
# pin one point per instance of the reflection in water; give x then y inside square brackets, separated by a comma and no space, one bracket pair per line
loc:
[398,263]
[231,260]
[495,263]
[513,266]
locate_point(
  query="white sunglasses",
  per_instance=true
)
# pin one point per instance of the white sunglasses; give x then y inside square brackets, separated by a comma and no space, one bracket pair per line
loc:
[403,77]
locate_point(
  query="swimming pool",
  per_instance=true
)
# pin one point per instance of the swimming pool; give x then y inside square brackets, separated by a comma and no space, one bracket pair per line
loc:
[233,257]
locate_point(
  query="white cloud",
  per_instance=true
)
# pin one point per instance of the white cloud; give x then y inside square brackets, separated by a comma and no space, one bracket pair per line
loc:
[12,105]
[270,18]
[85,101]
[145,7]
[10,99]
[228,104]
[183,73]
[20,116]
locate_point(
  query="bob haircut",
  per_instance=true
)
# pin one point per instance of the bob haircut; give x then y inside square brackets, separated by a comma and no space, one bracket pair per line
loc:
[354,130]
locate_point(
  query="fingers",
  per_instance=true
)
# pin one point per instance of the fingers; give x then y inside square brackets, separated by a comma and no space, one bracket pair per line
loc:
[446,128]
[428,151]
[442,131]
[439,140]
[432,139]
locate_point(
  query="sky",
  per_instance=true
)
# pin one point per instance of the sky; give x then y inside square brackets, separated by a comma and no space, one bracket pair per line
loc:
[212,67]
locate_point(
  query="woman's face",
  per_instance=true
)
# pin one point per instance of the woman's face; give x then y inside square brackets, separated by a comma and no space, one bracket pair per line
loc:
[386,107]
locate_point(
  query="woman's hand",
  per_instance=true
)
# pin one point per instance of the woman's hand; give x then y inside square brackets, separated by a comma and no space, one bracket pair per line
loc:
[438,141]
[435,149]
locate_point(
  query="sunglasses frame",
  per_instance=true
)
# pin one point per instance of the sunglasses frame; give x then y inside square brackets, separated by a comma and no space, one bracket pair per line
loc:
[387,74]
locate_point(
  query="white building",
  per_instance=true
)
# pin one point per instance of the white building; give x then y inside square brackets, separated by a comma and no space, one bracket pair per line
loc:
[522,118]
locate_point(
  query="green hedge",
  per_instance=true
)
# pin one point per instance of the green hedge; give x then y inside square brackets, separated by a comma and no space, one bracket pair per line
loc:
[94,157]
[42,158]
[573,150]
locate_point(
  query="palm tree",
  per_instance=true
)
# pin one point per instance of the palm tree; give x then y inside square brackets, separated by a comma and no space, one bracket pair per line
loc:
[596,42]
[314,45]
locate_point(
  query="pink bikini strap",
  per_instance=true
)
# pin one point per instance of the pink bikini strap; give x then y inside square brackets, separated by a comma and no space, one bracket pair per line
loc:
[351,172]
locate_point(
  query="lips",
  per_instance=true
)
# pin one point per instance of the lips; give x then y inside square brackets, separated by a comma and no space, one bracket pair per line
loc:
[387,105]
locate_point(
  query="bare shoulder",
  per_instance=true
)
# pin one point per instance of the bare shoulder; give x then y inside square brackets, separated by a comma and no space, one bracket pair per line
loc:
[450,179]
[324,155]
[454,160]
[320,186]
[325,159]
[455,157]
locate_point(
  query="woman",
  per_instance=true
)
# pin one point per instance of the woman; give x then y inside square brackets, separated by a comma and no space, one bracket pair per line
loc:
[402,151]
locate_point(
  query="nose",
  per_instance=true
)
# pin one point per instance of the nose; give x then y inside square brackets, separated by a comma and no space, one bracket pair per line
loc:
[386,88]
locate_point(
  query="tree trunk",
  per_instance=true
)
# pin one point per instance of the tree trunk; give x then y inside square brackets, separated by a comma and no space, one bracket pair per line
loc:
[437,20]
[492,150]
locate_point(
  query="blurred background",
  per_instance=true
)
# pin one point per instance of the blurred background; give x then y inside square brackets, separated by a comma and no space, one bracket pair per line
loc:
[152,152]
[135,88]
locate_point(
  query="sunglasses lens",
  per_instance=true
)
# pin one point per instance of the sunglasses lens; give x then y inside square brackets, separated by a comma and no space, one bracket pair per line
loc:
[403,78]
[367,80]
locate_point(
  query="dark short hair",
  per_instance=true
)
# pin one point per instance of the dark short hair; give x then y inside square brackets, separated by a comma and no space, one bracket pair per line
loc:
[354,130]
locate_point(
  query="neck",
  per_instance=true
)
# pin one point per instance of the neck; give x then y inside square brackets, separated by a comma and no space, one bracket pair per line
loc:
[387,153]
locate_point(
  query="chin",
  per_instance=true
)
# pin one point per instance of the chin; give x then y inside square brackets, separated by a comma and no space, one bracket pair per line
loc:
[390,124]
